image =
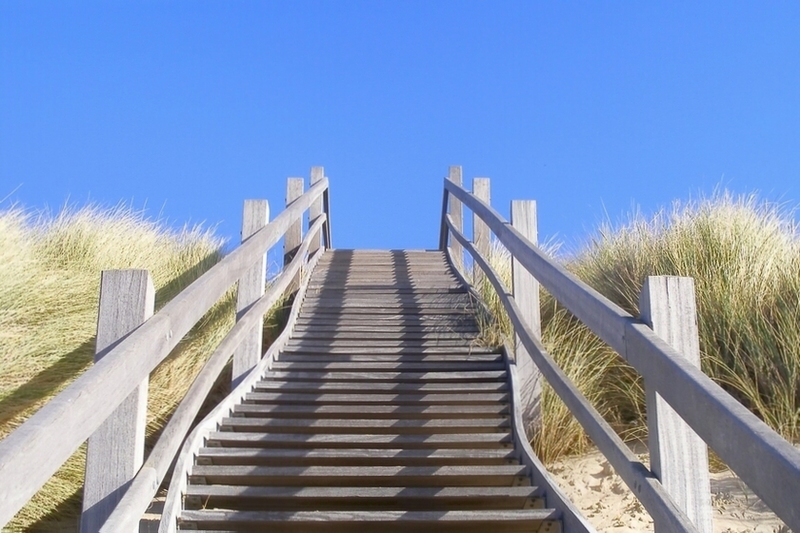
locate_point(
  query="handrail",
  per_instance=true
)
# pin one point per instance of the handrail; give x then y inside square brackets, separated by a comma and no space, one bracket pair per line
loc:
[178,483]
[733,432]
[145,484]
[33,452]
[651,493]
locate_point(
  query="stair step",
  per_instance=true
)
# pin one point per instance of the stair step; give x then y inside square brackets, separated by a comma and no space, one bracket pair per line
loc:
[352,441]
[373,411]
[383,366]
[311,387]
[355,498]
[368,426]
[481,521]
[392,377]
[361,476]
[355,457]
[323,358]
[369,398]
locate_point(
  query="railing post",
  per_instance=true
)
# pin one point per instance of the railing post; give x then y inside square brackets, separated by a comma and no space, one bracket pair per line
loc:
[525,289]
[678,457]
[317,174]
[250,289]
[294,235]
[456,210]
[480,230]
[116,448]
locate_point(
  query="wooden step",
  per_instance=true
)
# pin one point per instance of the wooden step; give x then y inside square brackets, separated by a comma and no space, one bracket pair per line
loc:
[366,426]
[383,366]
[373,498]
[368,398]
[312,387]
[372,411]
[392,377]
[355,457]
[377,442]
[361,476]
[481,521]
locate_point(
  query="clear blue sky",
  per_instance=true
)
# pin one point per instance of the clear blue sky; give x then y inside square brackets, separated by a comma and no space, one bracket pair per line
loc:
[590,108]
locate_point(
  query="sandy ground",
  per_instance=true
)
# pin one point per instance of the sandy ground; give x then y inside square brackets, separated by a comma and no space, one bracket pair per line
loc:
[608,504]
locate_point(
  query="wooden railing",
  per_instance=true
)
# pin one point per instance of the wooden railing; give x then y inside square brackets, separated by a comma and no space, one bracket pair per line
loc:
[33,452]
[758,455]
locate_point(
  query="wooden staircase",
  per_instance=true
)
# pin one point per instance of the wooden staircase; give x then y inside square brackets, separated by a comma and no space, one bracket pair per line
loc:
[383,413]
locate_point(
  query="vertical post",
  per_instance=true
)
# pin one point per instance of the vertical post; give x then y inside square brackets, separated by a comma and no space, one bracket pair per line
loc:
[480,231]
[116,449]
[250,289]
[457,214]
[525,289]
[678,457]
[317,174]
[294,235]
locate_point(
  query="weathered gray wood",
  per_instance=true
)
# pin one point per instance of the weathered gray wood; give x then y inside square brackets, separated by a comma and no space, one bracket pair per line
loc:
[368,426]
[377,521]
[376,442]
[147,481]
[525,290]
[487,476]
[250,288]
[396,398]
[316,208]
[355,388]
[678,457]
[372,411]
[481,235]
[294,235]
[649,491]
[456,212]
[732,431]
[116,449]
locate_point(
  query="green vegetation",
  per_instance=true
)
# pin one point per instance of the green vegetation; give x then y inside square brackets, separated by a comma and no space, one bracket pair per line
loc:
[49,287]
[744,255]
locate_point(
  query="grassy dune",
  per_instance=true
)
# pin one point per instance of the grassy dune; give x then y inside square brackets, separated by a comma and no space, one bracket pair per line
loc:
[49,283]
[744,255]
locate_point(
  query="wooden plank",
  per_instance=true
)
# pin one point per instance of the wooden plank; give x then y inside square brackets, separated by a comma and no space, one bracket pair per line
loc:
[393,377]
[116,449]
[399,358]
[366,426]
[457,214]
[250,288]
[360,476]
[525,289]
[386,366]
[375,522]
[294,387]
[404,350]
[373,399]
[372,411]
[413,498]
[678,457]
[315,209]
[481,235]
[294,235]
[304,441]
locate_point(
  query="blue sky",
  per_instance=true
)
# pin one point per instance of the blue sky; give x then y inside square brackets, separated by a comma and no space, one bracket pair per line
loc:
[591,108]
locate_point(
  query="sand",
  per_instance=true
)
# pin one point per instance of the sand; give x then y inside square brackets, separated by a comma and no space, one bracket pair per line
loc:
[607,503]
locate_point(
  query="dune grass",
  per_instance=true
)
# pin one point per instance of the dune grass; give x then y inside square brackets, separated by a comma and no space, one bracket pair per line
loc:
[744,255]
[49,285]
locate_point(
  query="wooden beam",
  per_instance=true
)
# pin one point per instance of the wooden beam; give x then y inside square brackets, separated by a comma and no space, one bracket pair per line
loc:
[481,235]
[525,289]
[317,175]
[116,449]
[456,211]
[678,457]
[294,235]
[251,288]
